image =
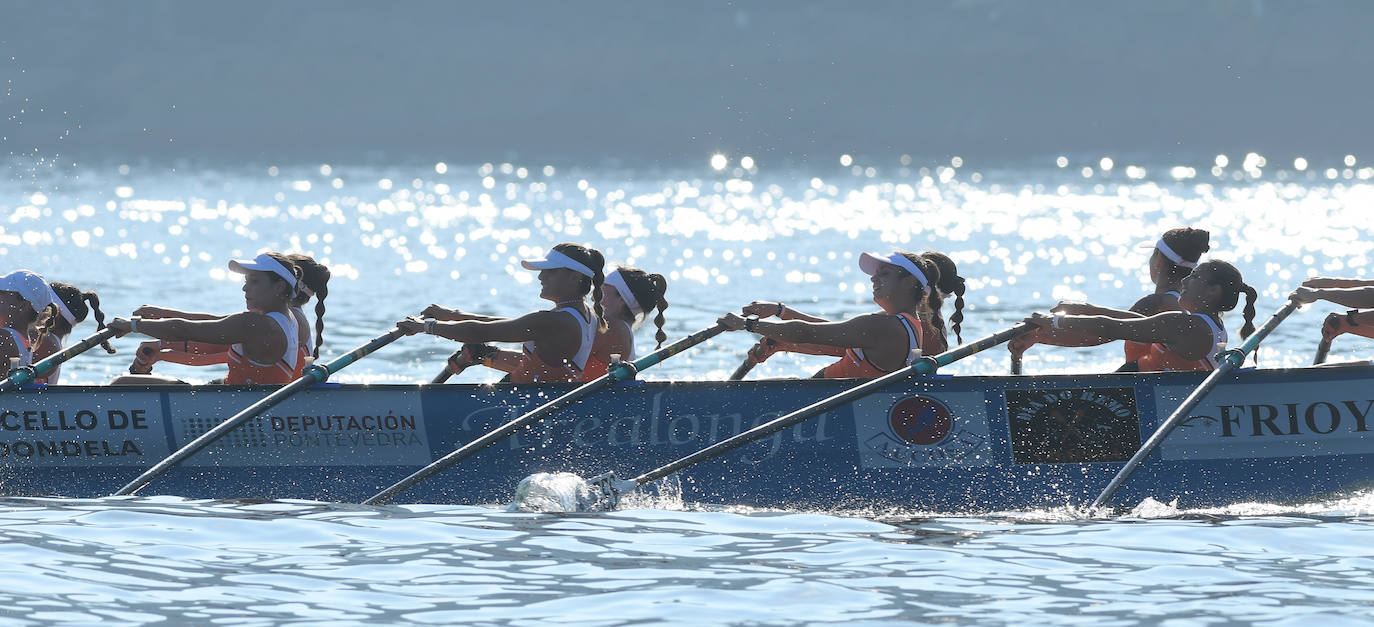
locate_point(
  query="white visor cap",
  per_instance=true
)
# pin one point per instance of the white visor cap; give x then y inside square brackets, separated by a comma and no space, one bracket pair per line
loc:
[30,286]
[1169,253]
[263,263]
[554,260]
[868,262]
[617,280]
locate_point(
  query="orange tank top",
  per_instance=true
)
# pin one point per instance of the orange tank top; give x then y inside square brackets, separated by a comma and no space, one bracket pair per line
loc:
[598,364]
[1161,359]
[854,365]
[243,371]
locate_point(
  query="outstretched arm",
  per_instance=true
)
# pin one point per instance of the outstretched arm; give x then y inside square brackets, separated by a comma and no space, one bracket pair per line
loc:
[1181,332]
[1357,297]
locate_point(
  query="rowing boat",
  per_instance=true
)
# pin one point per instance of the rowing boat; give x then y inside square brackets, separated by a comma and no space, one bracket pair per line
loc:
[940,443]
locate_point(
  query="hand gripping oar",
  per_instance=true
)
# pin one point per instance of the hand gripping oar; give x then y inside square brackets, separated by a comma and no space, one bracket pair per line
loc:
[1230,360]
[619,371]
[27,374]
[610,488]
[479,351]
[314,373]
[748,364]
[1323,347]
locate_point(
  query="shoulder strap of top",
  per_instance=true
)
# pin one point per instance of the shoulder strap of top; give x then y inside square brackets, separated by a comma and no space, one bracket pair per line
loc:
[913,336]
[1219,338]
[21,343]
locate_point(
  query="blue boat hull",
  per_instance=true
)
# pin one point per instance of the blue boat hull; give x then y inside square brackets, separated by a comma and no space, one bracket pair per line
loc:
[946,444]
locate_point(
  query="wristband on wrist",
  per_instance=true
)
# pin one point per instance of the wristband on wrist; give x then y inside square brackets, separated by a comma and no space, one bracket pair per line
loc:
[781,308]
[133,324]
[430,325]
[1057,319]
[1350,317]
[750,323]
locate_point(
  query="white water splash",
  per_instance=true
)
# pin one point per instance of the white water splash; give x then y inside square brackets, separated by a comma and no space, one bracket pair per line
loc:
[551,492]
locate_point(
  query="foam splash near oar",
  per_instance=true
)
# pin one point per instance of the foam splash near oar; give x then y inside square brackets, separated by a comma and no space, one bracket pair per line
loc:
[619,371]
[313,374]
[28,374]
[551,492]
[610,490]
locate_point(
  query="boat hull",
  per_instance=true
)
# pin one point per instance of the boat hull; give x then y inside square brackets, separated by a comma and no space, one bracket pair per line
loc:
[946,444]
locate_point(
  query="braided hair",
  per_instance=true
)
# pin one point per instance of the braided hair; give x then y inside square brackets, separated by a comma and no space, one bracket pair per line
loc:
[950,283]
[315,276]
[81,304]
[648,291]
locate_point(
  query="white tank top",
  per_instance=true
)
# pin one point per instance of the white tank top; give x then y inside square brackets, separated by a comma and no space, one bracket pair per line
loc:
[584,350]
[292,331]
[1219,339]
[630,330]
[22,345]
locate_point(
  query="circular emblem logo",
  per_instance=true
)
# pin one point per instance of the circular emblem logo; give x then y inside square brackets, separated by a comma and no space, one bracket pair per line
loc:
[919,420]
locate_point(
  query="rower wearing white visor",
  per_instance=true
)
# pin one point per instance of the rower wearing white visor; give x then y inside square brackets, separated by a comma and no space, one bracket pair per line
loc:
[27,312]
[264,341]
[629,295]
[314,283]
[73,307]
[555,343]
[905,285]
[1174,256]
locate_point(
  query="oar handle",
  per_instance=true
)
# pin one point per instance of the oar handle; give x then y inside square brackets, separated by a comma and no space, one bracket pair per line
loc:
[617,372]
[315,373]
[743,369]
[1323,348]
[1230,360]
[1016,363]
[924,365]
[28,374]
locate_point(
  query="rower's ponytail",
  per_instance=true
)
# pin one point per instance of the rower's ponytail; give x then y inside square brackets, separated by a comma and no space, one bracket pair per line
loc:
[950,283]
[94,301]
[315,277]
[1249,311]
[661,286]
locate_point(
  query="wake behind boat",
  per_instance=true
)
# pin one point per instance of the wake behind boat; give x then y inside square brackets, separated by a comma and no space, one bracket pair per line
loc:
[930,444]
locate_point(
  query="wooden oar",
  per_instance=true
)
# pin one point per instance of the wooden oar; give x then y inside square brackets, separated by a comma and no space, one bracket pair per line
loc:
[315,373]
[1230,360]
[1323,347]
[611,488]
[27,374]
[618,372]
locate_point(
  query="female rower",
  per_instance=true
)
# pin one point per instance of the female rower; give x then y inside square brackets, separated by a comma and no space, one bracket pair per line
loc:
[1355,293]
[73,305]
[1189,339]
[26,310]
[557,341]
[871,345]
[264,342]
[314,283]
[933,337]
[1175,255]
[628,295]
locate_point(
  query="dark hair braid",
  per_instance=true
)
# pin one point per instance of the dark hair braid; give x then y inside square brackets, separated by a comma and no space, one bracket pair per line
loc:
[648,290]
[950,283]
[45,321]
[94,300]
[315,276]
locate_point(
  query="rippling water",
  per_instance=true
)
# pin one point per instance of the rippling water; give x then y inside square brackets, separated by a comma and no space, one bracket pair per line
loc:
[401,236]
[143,560]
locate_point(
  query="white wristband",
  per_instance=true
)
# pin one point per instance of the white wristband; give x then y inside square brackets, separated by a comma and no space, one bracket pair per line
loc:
[1057,319]
[430,324]
[133,325]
